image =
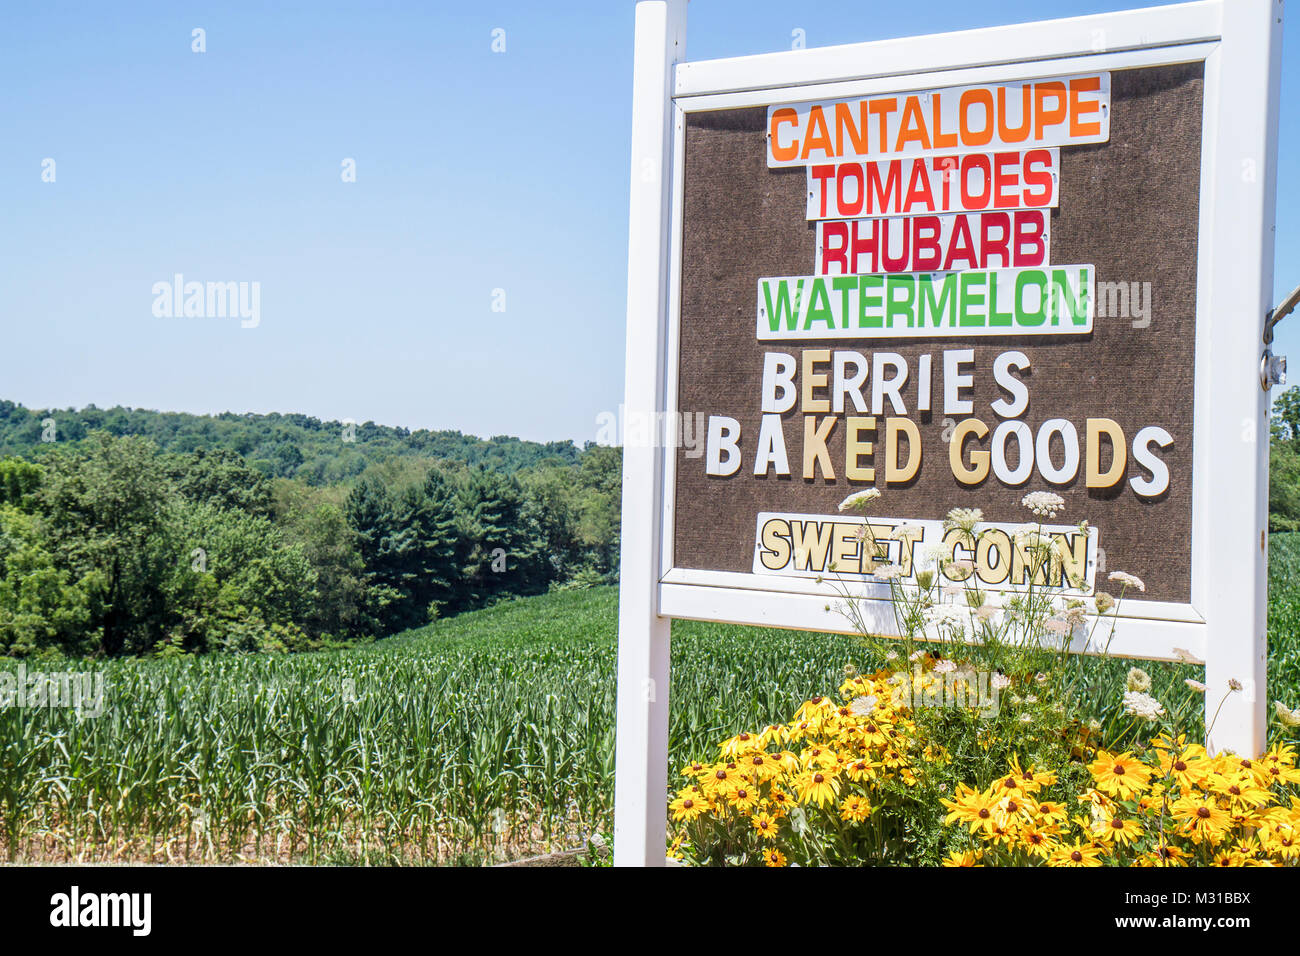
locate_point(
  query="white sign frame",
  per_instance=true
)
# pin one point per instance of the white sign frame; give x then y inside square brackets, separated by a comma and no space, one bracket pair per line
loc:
[1224,623]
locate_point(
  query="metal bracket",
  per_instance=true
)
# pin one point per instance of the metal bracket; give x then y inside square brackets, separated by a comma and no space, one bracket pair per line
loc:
[1272,368]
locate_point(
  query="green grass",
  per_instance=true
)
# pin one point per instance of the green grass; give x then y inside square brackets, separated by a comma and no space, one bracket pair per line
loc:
[485,736]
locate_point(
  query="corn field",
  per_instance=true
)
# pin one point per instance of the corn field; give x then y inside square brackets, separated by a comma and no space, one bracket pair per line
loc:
[484,737]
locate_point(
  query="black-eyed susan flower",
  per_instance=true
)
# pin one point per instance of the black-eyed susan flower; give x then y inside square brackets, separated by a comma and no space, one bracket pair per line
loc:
[742,798]
[688,806]
[1037,842]
[972,807]
[1121,775]
[855,809]
[739,745]
[817,786]
[773,857]
[1075,854]
[820,758]
[1201,817]
[765,824]
[1121,831]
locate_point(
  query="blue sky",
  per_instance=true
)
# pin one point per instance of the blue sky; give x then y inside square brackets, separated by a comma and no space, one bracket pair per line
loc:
[376,295]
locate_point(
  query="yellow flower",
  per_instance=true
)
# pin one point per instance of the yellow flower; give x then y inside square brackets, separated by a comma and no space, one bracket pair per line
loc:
[740,744]
[1121,831]
[762,766]
[1164,855]
[1202,818]
[1013,810]
[1121,776]
[688,806]
[781,802]
[743,797]
[1051,812]
[963,858]
[817,786]
[774,734]
[773,857]
[1186,767]
[765,824]
[1075,854]
[972,807]
[1280,839]
[721,778]
[1241,790]
[855,809]
[860,771]
[819,758]
[1037,842]
[802,729]
[1030,780]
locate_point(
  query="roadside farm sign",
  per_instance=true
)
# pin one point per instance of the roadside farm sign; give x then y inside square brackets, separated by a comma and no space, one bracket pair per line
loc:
[958,269]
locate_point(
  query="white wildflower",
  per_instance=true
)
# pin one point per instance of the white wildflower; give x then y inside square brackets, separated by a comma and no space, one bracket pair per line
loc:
[1138,680]
[1126,579]
[1045,504]
[945,666]
[1000,681]
[1195,685]
[859,498]
[1234,684]
[915,655]
[963,519]
[947,615]
[888,572]
[1143,705]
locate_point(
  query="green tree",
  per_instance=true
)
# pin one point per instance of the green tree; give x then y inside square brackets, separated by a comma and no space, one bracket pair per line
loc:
[221,478]
[237,580]
[42,608]
[19,481]
[429,514]
[502,550]
[385,548]
[106,509]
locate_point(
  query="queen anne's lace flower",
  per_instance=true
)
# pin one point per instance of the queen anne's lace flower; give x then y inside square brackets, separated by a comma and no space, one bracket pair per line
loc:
[1045,504]
[964,519]
[1138,680]
[859,498]
[1128,580]
[1142,705]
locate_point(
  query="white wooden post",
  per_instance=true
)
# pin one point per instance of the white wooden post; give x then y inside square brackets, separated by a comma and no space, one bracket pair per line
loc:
[1248,63]
[641,760]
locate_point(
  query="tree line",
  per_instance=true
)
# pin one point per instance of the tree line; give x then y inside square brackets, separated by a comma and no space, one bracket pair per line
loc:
[284,446]
[111,545]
